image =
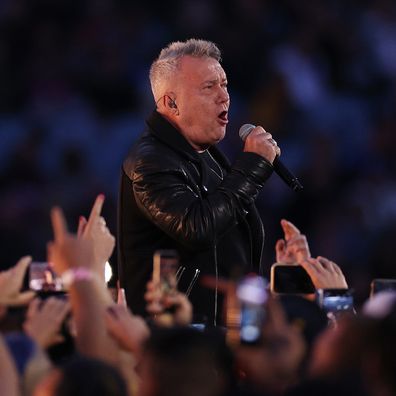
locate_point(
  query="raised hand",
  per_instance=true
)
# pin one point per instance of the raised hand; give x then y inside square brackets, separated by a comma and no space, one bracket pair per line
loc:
[44,320]
[261,142]
[11,283]
[158,303]
[293,249]
[88,294]
[95,229]
[325,274]
[67,251]
[128,330]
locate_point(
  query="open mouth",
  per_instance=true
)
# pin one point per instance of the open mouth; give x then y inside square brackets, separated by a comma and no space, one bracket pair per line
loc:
[223,117]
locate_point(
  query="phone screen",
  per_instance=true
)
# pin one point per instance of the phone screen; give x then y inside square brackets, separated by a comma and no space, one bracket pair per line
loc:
[42,278]
[252,319]
[252,295]
[335,300]
[290,279]
[165,266]
[379,285]
[338,303]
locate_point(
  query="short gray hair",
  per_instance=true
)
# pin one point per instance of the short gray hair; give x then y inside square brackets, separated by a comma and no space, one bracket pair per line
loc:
[168,60]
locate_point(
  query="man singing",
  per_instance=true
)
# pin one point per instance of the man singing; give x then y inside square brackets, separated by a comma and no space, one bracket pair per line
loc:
[178,191]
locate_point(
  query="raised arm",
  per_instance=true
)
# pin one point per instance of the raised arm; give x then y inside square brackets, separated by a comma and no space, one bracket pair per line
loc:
[293,248]
[74,258]
[11,283]
[9,382]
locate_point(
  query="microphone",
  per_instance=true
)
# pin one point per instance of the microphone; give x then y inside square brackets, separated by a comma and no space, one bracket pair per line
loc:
[279,167]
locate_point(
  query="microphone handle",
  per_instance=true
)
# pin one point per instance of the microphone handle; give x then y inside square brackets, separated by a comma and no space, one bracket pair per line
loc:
[278,166]
[286,175]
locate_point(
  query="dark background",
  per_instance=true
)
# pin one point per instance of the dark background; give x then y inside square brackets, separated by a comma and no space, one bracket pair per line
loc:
[319,75]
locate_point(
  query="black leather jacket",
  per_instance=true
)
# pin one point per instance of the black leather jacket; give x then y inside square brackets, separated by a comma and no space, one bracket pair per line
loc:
[164,203]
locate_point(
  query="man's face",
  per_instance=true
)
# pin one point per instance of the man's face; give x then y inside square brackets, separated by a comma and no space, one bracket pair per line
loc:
[202,101]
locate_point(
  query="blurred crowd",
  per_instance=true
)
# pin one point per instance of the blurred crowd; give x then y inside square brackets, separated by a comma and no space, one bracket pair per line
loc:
[83,341]
[320,76]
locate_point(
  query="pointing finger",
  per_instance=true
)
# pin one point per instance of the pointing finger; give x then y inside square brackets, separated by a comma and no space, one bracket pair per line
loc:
[289,229]
[280,246]
[23,264]
[95,212]
[59,225]
[82,222]
[121,298]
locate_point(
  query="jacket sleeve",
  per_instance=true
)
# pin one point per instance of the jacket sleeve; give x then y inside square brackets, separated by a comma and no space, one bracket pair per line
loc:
[168,197]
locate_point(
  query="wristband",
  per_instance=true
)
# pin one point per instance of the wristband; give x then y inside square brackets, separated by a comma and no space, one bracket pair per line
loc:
[76,275]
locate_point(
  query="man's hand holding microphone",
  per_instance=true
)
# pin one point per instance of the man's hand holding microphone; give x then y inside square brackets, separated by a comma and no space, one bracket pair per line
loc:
[258,141]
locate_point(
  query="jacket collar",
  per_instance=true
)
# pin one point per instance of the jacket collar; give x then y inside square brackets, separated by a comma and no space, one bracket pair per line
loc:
[164,131]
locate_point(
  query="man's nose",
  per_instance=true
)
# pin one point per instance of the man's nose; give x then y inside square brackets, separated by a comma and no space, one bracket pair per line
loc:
[223,95]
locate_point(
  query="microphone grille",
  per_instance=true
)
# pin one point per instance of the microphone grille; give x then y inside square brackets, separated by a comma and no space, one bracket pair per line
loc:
[244,130]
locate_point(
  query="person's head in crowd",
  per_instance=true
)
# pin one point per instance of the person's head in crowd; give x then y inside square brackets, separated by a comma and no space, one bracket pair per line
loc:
[359,347]
[190,90]
[185,361]
[380,305]
[83,376]
[340,349]
[382,353]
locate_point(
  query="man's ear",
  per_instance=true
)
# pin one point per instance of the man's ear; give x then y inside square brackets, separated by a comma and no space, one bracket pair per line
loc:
[171,103]
[161,102]
[167,104]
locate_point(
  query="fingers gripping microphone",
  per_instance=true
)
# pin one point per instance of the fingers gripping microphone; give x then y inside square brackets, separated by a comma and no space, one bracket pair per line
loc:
[279,167]
[245,129]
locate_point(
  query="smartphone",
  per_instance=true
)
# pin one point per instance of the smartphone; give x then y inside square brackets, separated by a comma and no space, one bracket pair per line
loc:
[165,267]
[43,279]
[335,301]
[290,279]
[378,285]
[252,295]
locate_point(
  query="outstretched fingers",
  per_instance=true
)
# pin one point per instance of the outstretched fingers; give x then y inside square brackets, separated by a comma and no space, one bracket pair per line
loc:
[280,246]
[94,216]
[20,269]
[23,263]
[82,222]
[289,229]
[59,225]
[324,273]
